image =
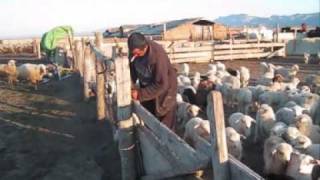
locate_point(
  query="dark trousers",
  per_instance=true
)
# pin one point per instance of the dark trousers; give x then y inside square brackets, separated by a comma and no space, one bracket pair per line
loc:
[168,119]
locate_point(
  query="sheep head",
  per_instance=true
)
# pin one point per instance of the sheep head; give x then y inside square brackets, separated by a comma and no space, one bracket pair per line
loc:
[291,134]
[302,121]
[11,62]
[193,111]
[282,152]
[301,142]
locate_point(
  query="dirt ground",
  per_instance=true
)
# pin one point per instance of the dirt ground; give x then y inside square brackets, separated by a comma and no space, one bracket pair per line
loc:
[52,134]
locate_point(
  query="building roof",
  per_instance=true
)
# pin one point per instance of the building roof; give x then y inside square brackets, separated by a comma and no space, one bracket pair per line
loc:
[156,29]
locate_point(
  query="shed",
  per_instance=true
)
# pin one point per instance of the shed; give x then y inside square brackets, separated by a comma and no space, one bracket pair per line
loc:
[192,29]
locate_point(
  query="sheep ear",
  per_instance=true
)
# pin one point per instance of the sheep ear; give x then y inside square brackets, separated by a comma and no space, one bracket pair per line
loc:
[254,121]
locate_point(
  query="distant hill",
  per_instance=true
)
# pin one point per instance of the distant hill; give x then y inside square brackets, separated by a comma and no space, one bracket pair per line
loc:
[237,20]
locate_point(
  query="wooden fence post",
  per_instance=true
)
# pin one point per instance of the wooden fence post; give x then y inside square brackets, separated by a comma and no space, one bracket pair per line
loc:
[78,54]
[86,73]
[124,118]
[101,102]
[36,48]
[218,136]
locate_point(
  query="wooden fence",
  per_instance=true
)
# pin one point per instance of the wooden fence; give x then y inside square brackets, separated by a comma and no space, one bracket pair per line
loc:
[145,140]
[21,50]
[208,51]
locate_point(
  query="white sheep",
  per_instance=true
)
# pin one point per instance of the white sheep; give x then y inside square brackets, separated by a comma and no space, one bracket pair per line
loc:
[276,155]
[234,143]
[241,123]
[300,166]
[265,121]
[285,115]
[267,76]
[230,87]
[220,66]
[32,72]
[186,111]
[244,98]
[291,134]
[196,80]
[310,102]
[185,69]
[9,70]
[244,76]
[183,81]
[197,128]
[306,58]
[306,127]
[305,146]
[287,73]
[278,129]
[275,99]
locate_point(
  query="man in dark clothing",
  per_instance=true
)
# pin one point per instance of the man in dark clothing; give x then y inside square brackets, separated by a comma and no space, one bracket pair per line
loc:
[150,65]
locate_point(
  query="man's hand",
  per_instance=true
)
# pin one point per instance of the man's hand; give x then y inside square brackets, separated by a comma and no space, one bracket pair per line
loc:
[134,94]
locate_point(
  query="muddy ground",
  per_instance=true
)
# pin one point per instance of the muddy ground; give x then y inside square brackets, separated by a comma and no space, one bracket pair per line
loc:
[52,134]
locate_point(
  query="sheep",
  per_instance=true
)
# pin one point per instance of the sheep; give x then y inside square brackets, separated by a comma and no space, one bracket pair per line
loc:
[305,126]
[186,111]
[212,68]
[304,145]
[32,72]
[256,92]
[220,66]
[196,80]
[292,84]
[196,128]
[185,69]
[268,73]
[9,70]
[278,129]
[306,58]
[287,73]
[309,101]
[276,155]
[229,88]
[265,121]
[244,76]
[300,166]
[241,123]
[291,134]
[285,115]
[313,81]
[183,81]
[234,143]
[244,99]
[204,88]
[188,93]
[275,99]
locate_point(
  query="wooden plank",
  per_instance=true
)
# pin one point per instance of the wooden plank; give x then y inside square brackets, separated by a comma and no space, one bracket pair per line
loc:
[186,154]
[238,169]
[224,46]
[86,73]
[242,56]
[210,54]
[124,118]
[218,136]
[101,103]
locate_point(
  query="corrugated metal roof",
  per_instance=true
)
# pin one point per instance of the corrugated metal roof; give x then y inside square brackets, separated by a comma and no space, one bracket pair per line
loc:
[155,29]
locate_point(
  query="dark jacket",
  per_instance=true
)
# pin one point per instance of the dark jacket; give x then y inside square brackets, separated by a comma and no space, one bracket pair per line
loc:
[157,77]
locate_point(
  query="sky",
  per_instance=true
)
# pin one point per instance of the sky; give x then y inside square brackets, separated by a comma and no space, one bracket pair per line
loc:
[29,18]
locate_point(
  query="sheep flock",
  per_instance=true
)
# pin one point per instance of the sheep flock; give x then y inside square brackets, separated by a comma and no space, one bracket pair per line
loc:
[278,112]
